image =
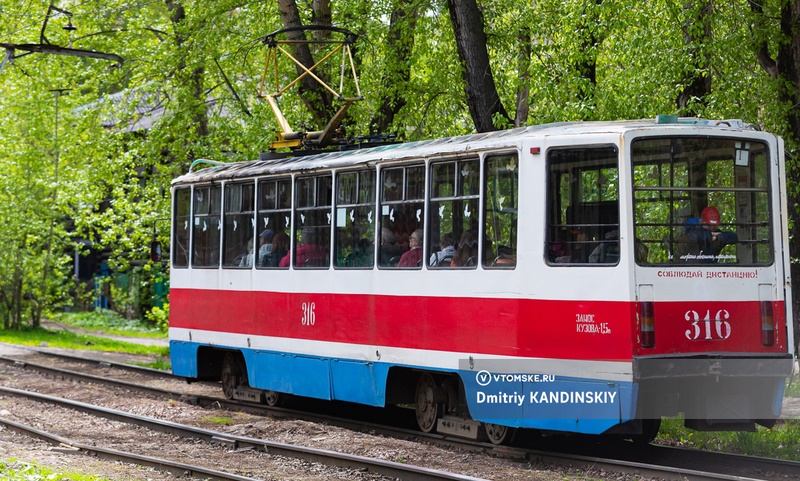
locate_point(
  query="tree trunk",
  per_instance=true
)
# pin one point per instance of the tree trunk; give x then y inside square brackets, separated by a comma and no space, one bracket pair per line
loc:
[482,96]
[196,76]
[318,100]
[587,64]
[523,64]
[697,83]
[397,70]
[786,68]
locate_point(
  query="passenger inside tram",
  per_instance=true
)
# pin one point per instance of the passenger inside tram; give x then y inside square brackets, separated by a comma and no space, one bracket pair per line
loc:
[309,253]
[467,250]
[706,240]
[265,245]
[389,251]
[446,252]
[280,248]
[413,256]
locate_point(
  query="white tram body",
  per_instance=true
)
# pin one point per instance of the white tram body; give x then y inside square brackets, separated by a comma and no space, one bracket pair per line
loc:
[599,275]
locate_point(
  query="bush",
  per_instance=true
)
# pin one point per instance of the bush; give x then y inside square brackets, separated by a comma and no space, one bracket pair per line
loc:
[159,316]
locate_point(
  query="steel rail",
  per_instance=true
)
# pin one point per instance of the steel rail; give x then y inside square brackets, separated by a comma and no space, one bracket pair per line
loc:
[620,465]
[101,362]
[67,445]
[309,454]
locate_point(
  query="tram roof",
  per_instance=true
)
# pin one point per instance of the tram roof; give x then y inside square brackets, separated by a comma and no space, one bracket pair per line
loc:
[441,146]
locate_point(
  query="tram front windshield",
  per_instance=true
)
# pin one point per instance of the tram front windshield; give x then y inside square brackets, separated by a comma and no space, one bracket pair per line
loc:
[700,201]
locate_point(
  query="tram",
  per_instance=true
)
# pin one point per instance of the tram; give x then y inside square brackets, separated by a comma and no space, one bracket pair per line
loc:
[585,277]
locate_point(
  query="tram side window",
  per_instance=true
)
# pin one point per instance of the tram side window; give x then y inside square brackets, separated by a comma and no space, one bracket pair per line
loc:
[355,219]
[180,234]
[453,226]
[583,206]
[312,222]
[702,200]
[238,226]
[207,227]
[500,215]
[402,210]
[274,221]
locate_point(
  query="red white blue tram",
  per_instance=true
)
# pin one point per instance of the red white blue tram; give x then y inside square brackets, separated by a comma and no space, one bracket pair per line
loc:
[579,277]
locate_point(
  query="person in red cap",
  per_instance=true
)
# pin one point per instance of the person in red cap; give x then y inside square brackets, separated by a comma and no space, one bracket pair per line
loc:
[708,241]
[710,215]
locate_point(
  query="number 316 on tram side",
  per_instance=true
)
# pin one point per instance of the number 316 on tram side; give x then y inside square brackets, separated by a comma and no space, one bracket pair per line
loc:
[585,278]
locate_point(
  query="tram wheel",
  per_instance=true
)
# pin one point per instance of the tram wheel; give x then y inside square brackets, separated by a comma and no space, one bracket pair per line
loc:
[427,409]
[272,398]
[499,434]
[231,375]
[650,429]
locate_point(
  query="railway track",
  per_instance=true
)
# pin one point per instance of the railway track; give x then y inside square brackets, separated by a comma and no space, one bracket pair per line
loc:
[609,458]
[232,442]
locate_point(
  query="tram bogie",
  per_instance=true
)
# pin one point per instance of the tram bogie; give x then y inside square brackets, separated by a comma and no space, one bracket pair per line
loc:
[580,278]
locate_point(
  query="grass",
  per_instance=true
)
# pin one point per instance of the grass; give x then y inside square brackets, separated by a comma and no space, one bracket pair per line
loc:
[793,386]
[70,340]
[216,421]
[782,441]
[14,470]
[100,321]
[109,322]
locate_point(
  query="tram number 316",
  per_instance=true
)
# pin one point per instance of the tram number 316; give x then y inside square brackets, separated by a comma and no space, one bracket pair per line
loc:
[309,316]
[708,328]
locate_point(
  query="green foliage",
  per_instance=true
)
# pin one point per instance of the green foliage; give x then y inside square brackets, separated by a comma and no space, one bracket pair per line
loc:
[193,81]
[16,470]
[159,317]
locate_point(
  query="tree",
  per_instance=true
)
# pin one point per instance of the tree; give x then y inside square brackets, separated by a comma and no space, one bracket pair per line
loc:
[396,73]
[697,78]
[482,96]
[784,67]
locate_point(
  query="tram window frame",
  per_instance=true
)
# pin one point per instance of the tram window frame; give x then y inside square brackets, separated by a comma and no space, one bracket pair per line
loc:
[238,251]
[208,210]
[355,212]
[272,209]
[497,218]
[312,201]
[400,191]
[182,215]
[583,206]
[454,207]
[675,178]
